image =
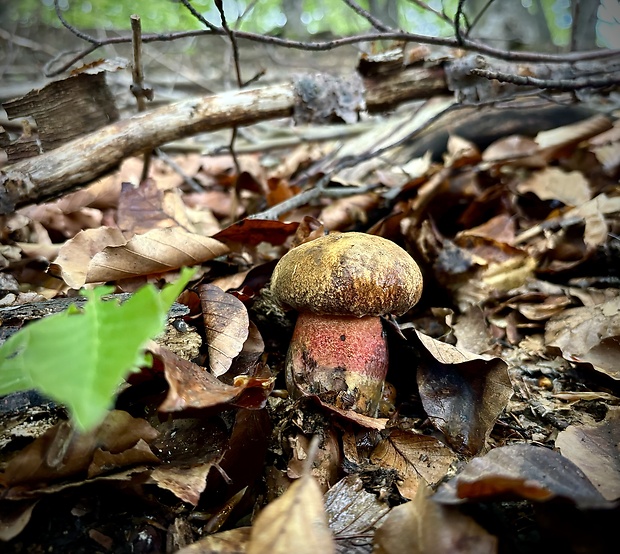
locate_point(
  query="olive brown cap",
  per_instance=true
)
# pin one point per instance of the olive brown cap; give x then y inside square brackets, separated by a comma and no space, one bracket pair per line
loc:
[348,274]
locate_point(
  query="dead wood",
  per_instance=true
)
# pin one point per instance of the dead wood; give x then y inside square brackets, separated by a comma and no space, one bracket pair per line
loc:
[82,160]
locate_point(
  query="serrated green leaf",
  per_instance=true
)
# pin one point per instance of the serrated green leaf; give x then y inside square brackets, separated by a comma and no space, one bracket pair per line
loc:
[80,359]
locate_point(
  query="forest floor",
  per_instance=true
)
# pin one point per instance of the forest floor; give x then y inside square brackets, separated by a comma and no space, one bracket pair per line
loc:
[498,430]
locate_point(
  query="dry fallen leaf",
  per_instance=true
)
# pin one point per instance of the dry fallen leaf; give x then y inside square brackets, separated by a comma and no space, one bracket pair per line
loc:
[101,255]
[417,458]
[192,386]
[522,471]
[463,393]
[595,449]
[294,523]
[590,334]
[226,327]
[353,513]
[570,188]
[233,541]
[150,206]
[423,526]
[62,452]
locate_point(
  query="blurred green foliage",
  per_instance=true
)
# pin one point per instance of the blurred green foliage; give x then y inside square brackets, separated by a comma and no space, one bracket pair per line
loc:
[262,16]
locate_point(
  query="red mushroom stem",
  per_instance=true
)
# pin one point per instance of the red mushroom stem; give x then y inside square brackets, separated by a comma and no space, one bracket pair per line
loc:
[344,355]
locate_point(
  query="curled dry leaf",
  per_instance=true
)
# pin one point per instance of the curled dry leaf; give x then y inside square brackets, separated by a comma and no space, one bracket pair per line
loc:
[233,541]
[353,513]
[523,471]
[595,449]
[463,393]
[417,458]
[254,231]
[227,324]
[191,386]
[295,522]
[148,206]
[589,334]
[422,526]
[570,188]
[75,255]
[102,255]
[61,452]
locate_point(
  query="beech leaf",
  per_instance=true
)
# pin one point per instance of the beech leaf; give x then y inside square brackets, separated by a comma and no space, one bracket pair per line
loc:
[227,326]
[295,522]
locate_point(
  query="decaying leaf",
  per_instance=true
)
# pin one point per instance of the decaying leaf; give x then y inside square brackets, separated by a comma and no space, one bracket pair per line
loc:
[590,334]
[63,452]
[595,449]
[295,522]
[192,386]
[521,471]
[103,254]
[463,393]
[255,231]
[353,514]
[551,183]
[422,526]
[418,459]
[233,541]
[151,206]
[226,327]
[189,449]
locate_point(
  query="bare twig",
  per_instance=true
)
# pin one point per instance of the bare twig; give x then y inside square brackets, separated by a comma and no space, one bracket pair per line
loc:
[318,46]
[376,23]
[440,14]
[564,85]
[457,23]
[190,181]
[479,16]
[200,17]
[137,86]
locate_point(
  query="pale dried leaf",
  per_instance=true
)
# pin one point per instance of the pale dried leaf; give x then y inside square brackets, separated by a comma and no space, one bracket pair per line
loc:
[415,457]
[156,251]
[76,254]
[595,449]
[589,334]
[423,526]
[226,327]
[552,183]
[569,134]
[295,522]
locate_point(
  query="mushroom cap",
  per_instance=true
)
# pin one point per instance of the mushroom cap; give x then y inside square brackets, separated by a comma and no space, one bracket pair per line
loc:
[348,274]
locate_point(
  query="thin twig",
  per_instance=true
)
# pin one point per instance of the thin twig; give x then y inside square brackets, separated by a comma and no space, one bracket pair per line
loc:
[137,86]
[440,14]
[376,23]
[189,180]
[563,85]
[235,49]
[320,46]
[457,23]
[200,17]
[479,16]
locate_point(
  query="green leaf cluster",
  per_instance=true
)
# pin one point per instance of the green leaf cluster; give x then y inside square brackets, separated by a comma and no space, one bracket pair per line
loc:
[80,358]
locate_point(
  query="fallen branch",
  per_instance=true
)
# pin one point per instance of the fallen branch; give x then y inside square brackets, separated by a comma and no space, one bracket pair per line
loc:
[82,160]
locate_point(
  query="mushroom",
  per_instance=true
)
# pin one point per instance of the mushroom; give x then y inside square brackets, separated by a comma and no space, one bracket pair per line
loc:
[341,284]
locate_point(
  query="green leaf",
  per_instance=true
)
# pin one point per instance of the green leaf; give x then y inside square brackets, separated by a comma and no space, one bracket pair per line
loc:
[80,358]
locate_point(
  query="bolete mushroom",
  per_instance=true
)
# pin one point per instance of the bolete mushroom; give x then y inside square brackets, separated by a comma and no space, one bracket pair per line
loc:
[341,284]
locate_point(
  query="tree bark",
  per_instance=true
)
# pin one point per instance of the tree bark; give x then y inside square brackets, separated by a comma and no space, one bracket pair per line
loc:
[78,162]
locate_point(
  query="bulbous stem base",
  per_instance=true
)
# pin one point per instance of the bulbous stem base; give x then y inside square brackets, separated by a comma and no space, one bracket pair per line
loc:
[343,359]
